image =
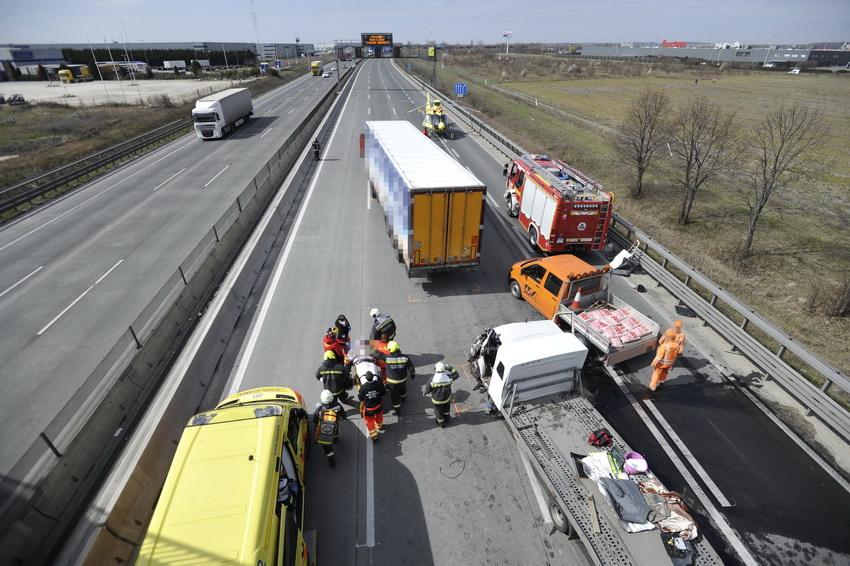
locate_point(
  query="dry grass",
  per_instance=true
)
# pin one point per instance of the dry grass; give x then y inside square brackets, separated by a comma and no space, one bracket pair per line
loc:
[801,254]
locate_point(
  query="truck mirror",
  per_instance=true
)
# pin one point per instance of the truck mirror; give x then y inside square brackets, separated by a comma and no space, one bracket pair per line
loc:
[505,170]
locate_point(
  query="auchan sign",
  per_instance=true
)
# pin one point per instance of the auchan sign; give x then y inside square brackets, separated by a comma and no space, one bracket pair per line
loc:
[666,43]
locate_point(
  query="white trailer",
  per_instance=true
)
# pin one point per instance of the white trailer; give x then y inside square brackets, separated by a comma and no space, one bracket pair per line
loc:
[534,374]
[174,64]
[217,114]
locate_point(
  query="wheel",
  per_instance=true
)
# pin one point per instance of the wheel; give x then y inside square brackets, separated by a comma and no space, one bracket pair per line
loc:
[532,237]
[509,205]
[516,290]
[559,520]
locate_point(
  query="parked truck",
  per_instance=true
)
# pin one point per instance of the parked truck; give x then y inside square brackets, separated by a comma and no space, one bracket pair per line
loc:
[575,295]
[433,206]
[217,114]
[559,207]
[75,74]
[534,371]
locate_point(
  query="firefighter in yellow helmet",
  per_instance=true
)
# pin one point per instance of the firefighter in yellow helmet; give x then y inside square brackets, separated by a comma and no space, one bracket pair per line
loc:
[665,357]
[398,368]
[332,374]
[679,338]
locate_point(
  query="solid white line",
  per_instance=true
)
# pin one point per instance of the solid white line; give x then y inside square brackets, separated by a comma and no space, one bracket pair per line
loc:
[730,535]
[690,457]
[370,493]
[216,177]
[164,182]
[77,300]
[22,280]
[69,211]
[538,492]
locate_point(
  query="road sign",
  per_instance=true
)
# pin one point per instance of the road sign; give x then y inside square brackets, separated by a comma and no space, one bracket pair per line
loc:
[460,89]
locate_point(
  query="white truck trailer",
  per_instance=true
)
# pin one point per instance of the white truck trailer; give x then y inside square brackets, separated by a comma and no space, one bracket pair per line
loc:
[534,373]
[433,206]
[217,114]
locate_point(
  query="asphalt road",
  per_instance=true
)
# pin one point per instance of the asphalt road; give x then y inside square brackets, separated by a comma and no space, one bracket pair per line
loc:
[463,495]
[78,273]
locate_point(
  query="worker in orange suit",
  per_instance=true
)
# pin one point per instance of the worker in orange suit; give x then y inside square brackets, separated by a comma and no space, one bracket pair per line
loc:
[665,357]
[680,336]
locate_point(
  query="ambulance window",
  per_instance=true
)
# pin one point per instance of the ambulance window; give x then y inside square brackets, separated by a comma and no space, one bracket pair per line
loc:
[553,284]
[534,271]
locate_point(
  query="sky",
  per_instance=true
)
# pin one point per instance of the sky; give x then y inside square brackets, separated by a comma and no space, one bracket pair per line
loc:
[452,22]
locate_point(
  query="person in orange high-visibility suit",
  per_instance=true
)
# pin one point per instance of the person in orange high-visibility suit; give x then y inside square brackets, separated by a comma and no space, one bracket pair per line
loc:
[665,357]
[679,338]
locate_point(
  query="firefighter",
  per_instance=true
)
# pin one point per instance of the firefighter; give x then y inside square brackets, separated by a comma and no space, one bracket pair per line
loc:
[679,338]
[343,330]
[665,357]
[332,343]
[440,388]
[326,421]
[371,397]
[317,147]
[383,323]
[398,368]
[332,375]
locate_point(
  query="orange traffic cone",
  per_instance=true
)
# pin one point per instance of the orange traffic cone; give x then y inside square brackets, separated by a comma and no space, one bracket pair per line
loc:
[576,306]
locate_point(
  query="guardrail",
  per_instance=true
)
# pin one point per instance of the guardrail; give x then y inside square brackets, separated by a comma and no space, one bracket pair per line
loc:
[81,170]
[773,364]
[53,481]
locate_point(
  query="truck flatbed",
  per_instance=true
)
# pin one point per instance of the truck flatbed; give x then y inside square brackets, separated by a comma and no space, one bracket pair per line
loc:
[548,430]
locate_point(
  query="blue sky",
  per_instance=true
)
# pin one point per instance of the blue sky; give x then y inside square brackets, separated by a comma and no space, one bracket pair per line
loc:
[459,21]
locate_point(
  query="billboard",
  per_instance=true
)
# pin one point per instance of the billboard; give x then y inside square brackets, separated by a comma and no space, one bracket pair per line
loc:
[375,39]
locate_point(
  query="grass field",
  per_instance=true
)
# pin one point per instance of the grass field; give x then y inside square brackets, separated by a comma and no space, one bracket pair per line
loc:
[802,252]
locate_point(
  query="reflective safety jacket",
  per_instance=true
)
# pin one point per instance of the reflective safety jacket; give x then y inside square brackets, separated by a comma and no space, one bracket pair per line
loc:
[666,355]
[440,386]
[331,373]
[679,340]
[398,366]
[383,323]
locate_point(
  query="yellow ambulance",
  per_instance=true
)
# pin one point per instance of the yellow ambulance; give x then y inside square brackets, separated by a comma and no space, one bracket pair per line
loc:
[235,490]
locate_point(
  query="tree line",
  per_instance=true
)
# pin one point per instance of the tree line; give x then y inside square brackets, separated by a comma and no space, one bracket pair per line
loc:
[706,141]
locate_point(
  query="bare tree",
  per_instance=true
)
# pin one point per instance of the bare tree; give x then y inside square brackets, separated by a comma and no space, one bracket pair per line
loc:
[642,132]
[784,150]
[701,137]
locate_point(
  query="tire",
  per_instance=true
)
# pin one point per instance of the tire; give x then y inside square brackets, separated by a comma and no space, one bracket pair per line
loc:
[516,290]
[532,237]
[559,519]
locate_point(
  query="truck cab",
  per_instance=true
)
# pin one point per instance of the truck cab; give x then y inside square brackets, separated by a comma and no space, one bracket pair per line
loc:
[550,283]
[535,359]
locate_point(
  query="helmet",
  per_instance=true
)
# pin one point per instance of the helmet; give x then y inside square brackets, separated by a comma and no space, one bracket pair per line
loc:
[369,376]
[329,355]
[374,313]
[392,346]
[677,323]
[341,318]
[670,333]
[326,397]
[439,367]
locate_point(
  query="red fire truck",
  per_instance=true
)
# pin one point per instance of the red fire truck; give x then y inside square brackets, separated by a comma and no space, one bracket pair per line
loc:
[560,208]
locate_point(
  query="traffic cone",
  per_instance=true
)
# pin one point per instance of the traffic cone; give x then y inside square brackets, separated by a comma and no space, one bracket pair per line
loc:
[576,306]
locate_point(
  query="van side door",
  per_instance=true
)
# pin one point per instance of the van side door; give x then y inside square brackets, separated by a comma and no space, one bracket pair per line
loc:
[549,296]
[531,279]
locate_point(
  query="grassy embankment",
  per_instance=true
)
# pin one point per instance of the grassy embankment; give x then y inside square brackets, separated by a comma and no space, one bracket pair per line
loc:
[801,254]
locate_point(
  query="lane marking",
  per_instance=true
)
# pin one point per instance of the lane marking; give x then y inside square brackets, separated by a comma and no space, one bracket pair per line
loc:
[538,492]
[78,299]
[688,455]
[216,177]
[22,280]
[70,210]
[265,133]
[724,527]
[164,182]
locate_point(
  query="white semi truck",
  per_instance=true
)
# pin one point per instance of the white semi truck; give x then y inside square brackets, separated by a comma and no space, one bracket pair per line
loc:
[534,371]
[217,114]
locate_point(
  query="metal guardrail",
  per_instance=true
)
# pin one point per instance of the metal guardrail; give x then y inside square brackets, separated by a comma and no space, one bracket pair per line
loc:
[816,400]
[79,171]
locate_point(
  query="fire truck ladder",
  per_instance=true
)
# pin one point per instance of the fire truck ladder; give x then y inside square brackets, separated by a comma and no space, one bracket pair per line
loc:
[601,225]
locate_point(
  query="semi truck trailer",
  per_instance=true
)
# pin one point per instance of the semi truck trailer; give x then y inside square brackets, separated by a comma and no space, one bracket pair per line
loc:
[216,115]
[433,206]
